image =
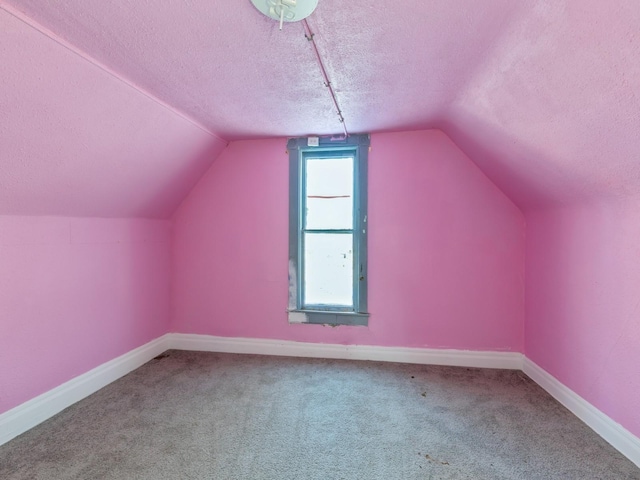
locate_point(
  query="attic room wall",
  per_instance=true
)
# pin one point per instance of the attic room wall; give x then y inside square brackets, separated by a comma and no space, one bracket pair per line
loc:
[446,250]
[74,294]
[583,302]
[82,146]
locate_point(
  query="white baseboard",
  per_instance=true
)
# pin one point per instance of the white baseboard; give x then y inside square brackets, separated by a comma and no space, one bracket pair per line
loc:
[614,433]
[35,411]
[426,356]
[26,416]
[29,414]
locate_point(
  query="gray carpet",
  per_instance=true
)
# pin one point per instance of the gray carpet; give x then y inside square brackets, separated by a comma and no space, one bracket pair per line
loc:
[191,415]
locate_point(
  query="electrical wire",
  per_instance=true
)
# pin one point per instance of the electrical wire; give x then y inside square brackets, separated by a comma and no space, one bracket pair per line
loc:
[310,36]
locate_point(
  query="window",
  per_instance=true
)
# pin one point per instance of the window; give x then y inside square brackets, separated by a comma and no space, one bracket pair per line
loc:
[328,231]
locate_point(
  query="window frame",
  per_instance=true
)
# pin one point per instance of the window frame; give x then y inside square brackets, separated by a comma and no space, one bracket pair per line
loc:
[299,150]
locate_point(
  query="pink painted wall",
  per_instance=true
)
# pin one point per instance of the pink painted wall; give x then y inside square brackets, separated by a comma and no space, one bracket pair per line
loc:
[75,293]
[583,302]
[446,264]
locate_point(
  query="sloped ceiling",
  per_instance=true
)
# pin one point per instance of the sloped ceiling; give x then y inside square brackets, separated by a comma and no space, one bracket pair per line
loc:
[75,140]
[552,112]
[115,108]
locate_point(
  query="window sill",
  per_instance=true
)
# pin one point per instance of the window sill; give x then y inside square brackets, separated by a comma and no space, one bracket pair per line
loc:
[321,317]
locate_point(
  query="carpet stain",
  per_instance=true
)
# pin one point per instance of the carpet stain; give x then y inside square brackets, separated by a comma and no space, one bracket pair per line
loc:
[431,459]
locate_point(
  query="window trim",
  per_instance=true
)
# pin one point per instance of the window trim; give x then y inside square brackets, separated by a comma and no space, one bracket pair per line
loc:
[298,148]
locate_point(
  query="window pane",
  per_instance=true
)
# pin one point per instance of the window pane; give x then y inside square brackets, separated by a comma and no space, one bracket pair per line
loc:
[329,190]
[328,269]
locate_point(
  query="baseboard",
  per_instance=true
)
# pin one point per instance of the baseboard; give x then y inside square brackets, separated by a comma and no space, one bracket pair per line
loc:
[26,416]
[614,433]
[35,411]
[426,356]
[29,414]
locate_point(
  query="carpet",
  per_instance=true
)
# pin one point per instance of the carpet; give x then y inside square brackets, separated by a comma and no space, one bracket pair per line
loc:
[196,415]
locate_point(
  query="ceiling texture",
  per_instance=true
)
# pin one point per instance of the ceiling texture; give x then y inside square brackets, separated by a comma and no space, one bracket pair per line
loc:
[116,108]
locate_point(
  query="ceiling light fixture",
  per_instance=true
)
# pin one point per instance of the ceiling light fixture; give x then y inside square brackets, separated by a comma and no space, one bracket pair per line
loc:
[286,10]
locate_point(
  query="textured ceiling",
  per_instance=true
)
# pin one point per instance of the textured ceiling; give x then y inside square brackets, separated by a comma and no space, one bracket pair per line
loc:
[552,113]
[106,105]
[75,140]
[230,68]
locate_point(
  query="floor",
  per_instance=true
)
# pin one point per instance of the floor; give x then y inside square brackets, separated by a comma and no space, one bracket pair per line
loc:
[195,415]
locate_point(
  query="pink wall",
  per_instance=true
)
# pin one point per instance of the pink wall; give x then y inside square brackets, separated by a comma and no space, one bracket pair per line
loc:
[583,302]
[75,293]
[446,264]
